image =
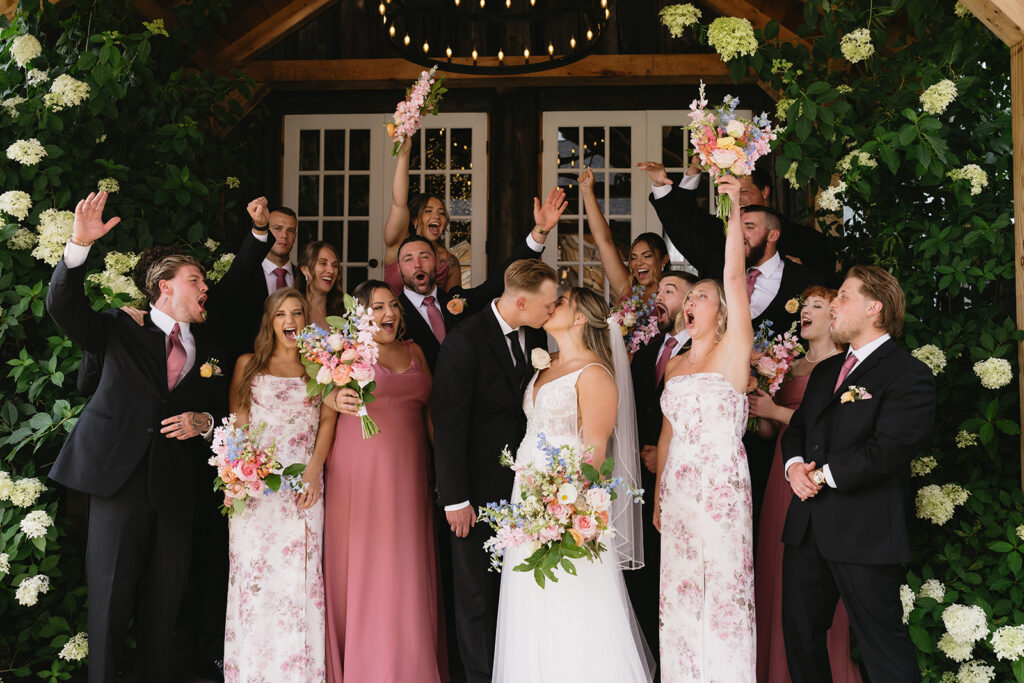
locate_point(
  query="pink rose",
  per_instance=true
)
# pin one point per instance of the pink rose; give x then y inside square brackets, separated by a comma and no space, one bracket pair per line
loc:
[341,374]
[323,375]
[551,533]
[767,366]
[585,526]
[724,158]
[257,485]
[559,511]
[349,355]
[362,373]
[599,498]
[335,342]
[246,471]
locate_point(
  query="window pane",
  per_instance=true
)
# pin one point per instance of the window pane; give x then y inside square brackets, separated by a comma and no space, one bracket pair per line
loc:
[414,184]
[358,241]
[568,241]
[460,234]
[435,148]
[593,147]
[619,193]
[435,185]
[359,150]
[309,195]
[414,153]
[358,195]
[621,236]
[599,191]
[462,149]
[334,195]
[673,146]
[568,276]
[307,233]
[567,181]
[620,146]
[568,147]
[333,230]
[593,277]
[355,277]
[334,150]
[461,203]
[309,150]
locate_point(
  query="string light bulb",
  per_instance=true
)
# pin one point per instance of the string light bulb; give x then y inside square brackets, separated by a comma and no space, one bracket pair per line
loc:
[391,31]
[448,52]
[406,40]
[551,49]
[501,55]
[426,47]
[590,34]
[572,42]
[381,9]
[526,53]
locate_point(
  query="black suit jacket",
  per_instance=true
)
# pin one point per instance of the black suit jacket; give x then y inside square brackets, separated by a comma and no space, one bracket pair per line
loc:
[699,236]
[795,279]
[868,446]
[121,424]
[476,404]
[477,299]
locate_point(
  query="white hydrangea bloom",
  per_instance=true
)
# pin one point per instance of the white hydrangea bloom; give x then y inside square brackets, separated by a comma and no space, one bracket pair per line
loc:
[732,37]
[948,677]
[856,45]
[16,203]
[957,494]
[25,48]
[26,492]
[932,356]
[35,77]
[9,105]
[960,9]
[35,524]
[55,228]
[66,92]
[30,587]
[922,465]
[5,563]
[828,198]
[108,185]
[864,160]
[844,89]
[220,268]
[782,108]
[994,373]
[972,173]
[233,182]
[965,438]
[957,650]
[211,244]
[26,152]
[677,17]
[117,283]
[6,486]
[975,672]
[1020,532]
[791,176]
[934,589]
[77,648]
[1008,642]
[938,97]
[21,240]
[932,504]
[907,600]
[966,623]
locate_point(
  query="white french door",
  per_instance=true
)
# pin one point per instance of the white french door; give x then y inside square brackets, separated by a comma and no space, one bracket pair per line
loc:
[338,171]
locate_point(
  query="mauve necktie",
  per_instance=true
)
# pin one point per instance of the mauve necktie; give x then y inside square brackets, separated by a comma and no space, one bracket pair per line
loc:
[666,354]
[434,316]
[751,279]
[281,282]
[848,364]
[175,357]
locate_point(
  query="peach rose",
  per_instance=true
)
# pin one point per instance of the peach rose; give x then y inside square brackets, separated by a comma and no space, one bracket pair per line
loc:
[724,158]
[341,374]
[767,366]
[585,526]
[603,517]
[576,536]
[335,342]
[559,511]
[456,305]
[349,355]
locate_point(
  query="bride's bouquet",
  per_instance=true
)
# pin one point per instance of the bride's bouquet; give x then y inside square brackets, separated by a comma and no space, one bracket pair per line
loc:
[562,515]
[344,355]
[727,144]
[772,359]
[245,469]
[637,319]
[420,100]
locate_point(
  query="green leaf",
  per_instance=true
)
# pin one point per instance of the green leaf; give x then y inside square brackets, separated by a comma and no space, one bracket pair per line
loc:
[1018,670]
[919,635]
[273,481]
[568,567]
[294,470]
[1000,546]
[1013,561]
[590,472]
[607,466]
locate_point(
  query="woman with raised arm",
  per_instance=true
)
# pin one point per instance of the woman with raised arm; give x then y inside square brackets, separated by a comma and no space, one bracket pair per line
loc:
[424,214]
[321,267]
[702,504]
[648,255]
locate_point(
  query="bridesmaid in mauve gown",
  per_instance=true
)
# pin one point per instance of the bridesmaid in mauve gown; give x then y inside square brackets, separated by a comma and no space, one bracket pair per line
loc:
[775,414]
[379,556]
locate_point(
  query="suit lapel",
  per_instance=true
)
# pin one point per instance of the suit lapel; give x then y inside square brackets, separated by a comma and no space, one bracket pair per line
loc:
[496,340]
[866,366]
[156,343]
[416,327]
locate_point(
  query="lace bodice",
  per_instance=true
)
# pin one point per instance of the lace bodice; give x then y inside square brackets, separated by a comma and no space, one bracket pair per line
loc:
[554,414]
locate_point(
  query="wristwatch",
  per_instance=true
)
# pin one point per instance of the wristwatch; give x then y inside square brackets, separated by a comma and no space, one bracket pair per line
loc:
[818,477]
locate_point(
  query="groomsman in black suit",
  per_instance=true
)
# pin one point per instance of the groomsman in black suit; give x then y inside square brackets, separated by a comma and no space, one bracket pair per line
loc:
[476,405]
[864,416]
[135,444]
[648,371]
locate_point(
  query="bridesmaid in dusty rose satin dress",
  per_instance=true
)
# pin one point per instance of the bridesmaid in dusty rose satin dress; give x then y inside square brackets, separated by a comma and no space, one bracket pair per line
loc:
[775,414]
[379,556]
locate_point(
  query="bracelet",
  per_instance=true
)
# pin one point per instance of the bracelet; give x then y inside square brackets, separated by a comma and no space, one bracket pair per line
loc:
[540,230]
[75,240]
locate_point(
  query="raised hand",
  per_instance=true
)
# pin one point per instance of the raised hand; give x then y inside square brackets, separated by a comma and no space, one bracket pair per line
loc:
[546,215]
[656,172]
[259,212]
[729,185]
[586,181]
[89,225]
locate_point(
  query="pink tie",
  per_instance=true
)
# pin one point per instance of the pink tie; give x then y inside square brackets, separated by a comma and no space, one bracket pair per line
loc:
[175,357]
[434,316]
[848,364]
[666,354]
[751,279]
[281,282]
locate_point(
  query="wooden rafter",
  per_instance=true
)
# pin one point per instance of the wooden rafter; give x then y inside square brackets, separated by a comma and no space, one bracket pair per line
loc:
[758,14]
[1005,18]
[272,28]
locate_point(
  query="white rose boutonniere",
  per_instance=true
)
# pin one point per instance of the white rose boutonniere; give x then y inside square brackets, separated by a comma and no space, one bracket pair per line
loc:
[540,358]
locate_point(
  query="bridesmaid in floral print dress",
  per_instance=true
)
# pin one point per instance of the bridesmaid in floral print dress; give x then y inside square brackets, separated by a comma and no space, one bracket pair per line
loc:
[275,616]
[702,507]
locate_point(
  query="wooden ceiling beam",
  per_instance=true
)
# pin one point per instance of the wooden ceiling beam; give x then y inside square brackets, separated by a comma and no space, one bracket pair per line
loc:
[273,28]
[753,12]
[1005,18]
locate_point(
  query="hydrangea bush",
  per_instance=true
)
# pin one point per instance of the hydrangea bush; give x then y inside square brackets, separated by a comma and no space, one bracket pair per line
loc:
[91,97]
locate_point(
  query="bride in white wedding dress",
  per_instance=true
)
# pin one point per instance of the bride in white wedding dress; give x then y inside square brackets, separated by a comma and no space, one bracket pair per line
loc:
[580,628]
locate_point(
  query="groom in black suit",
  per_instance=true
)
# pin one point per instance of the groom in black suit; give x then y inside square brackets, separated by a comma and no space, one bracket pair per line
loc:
[864,416]
[134,448]
[477,409]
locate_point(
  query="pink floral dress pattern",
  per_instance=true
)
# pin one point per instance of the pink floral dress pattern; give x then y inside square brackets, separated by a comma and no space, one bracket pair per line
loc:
[707,569]
[275,618]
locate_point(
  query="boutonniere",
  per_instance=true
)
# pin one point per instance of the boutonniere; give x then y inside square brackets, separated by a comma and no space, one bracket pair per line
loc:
[793,305]
[540,358]
[854,393]
[457,305]
[210,368]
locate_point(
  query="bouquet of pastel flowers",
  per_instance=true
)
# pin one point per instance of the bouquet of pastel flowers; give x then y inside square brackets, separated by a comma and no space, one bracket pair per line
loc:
[562,514]
[637,319]
[727,144]
[344,355]
[772,359]
[420,100]
[245,469]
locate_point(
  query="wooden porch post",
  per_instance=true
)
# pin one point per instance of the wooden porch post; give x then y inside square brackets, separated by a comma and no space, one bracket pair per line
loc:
[1017,100]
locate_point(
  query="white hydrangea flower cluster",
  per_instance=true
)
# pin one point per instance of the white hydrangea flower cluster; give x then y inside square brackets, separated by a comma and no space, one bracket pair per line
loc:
[934,589]
[55,228]
[922,465]
[975,672]
[965,438]
[5,563]
[77,648]
[1020,532]
[948,677]
[932,356]
[966,623]
[30,587]
[956,650]
[938,97]
[856,45]
[25,48]
[22,239]
[232,182]
[828,198]
[66,92]
[16,203]
[677,17]
[26,492]
[1008,642]
[6,486]
[211,244]
[782,108]
[156,27]
[960,9]
[994,373]
[938,503]
[116,277]
[36,77]
[790,175]
[108,185]
[907,600]
[10,105]
[844,89]
[864,160]
[26,152]
[732,37]
[35,524]
[220,268]
[972,173]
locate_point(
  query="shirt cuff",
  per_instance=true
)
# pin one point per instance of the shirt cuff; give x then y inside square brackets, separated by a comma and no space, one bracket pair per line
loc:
[660,192]
[261,236]
[690,182]
[785,469]
[75,254]
[534,244]
[828,476]
[457,506]
[209,432]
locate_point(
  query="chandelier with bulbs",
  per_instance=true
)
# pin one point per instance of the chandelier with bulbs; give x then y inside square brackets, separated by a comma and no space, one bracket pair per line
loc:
[494,36]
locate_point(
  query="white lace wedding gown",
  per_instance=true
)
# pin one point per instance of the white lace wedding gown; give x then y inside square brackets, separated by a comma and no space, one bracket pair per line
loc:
[581,628]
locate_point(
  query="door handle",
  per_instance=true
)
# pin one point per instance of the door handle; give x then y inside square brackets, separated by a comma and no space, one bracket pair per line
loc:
[373,263]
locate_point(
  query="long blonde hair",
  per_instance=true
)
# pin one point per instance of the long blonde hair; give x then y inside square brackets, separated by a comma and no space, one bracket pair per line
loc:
[263,348]
[595,333]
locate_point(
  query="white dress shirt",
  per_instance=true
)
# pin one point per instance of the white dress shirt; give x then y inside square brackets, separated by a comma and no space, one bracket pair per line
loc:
[767,284]
[861,354]
[268,267]
[681,338]
[416,299]
[688,182]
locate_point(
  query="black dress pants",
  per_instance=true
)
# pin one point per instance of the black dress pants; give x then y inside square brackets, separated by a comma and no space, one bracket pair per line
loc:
[476,602]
